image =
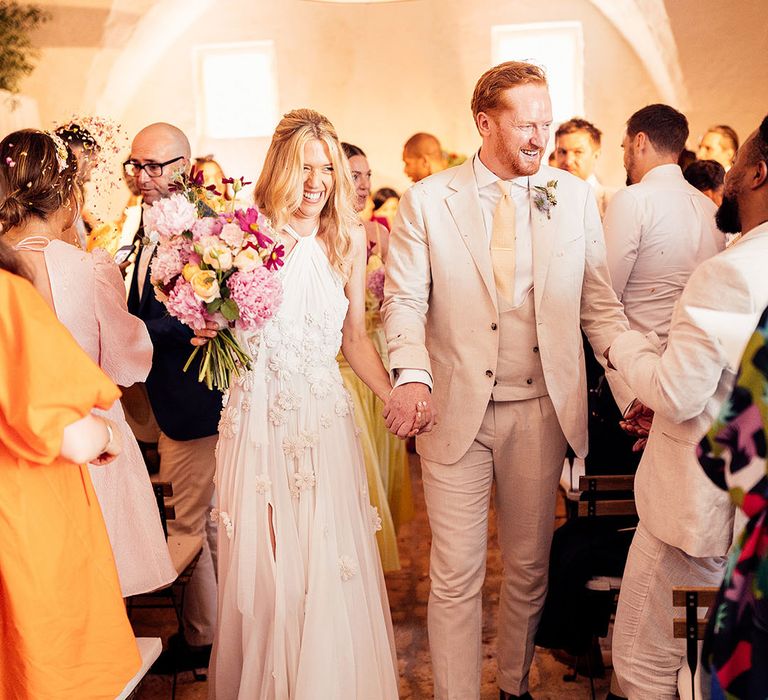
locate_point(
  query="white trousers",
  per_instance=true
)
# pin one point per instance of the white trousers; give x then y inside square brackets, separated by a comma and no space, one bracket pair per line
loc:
[520,447]
[646,656]
[190,466]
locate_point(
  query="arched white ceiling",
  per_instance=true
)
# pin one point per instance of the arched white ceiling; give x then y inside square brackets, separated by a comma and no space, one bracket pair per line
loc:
[139,33]
[645,26]
[115,79]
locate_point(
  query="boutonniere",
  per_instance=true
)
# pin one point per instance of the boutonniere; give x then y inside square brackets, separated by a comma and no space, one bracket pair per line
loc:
[546,197]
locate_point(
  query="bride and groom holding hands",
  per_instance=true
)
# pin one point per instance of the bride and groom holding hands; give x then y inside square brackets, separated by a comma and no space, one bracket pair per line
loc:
[494,268]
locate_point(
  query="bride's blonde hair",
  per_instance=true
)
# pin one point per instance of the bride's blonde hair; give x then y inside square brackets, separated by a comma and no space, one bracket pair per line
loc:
[280,187]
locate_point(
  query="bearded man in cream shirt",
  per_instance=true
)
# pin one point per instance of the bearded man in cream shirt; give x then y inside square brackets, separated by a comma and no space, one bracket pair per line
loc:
[493,267]
[686,523]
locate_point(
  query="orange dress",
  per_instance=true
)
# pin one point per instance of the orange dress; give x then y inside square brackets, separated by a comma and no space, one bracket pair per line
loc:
[64,633]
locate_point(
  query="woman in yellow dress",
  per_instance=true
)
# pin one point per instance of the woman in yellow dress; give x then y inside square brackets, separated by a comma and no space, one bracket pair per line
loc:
[391,451]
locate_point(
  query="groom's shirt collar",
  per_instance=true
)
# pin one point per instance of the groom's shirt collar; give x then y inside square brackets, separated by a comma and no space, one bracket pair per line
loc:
[485,177]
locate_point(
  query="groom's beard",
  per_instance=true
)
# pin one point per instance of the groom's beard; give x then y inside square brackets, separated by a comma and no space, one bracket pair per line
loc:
[728,218]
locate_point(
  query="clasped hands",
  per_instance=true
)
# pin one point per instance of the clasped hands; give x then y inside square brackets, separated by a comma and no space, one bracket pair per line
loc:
[637,421]
[409,410]
[638,418]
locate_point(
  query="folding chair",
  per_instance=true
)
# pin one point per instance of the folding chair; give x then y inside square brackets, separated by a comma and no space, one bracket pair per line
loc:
[692,627]
[149,648]
[185,551]
[605,496]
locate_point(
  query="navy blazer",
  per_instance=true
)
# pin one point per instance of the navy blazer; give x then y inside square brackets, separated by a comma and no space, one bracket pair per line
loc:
[185,409]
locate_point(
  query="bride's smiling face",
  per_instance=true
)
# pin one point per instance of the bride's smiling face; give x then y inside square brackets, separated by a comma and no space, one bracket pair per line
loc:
[318,179]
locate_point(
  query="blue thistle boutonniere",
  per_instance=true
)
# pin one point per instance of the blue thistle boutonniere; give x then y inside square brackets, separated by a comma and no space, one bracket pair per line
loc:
[546,198]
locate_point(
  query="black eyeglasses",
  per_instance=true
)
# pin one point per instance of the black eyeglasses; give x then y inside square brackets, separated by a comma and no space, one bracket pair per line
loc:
[132,168]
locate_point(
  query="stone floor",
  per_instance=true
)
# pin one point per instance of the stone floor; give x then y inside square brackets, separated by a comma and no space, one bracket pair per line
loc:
[408,592]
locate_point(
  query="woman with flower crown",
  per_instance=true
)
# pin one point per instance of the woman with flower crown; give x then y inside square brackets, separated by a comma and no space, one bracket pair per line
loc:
[38,176]
[303,609]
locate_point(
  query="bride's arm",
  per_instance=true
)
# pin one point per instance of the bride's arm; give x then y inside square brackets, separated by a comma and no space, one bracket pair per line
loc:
[357,347]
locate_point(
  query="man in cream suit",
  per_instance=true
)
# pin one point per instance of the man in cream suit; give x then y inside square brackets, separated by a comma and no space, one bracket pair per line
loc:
[686,523]
[492,268]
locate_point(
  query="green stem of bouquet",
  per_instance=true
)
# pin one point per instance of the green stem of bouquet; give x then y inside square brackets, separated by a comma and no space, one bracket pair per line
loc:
[222,357]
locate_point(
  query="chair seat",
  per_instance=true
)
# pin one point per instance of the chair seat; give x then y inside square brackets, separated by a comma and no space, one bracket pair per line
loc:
[149,648]
[604,583]
[183,550]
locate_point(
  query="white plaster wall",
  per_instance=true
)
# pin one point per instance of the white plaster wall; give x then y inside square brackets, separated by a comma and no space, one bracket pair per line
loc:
[383,71]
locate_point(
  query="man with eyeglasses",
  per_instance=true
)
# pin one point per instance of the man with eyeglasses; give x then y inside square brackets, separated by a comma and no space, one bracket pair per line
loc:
[186,411]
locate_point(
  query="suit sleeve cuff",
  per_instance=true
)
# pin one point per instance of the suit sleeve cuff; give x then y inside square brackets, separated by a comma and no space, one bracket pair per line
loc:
[407,376]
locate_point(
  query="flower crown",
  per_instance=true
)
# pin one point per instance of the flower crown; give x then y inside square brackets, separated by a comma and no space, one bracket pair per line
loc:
[62,152]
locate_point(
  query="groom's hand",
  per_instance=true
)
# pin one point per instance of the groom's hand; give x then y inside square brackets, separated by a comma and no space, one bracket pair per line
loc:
[405,402]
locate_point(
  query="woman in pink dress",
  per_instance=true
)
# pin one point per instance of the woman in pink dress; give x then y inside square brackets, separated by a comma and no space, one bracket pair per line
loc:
[86,291]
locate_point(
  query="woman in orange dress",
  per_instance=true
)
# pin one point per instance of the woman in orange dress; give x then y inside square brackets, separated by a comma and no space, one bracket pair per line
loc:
[64,633]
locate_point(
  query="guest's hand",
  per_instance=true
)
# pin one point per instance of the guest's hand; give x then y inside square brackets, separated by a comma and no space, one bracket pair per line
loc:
[637,421]
[607,356]
[409,410]
[203,335]
[113,448]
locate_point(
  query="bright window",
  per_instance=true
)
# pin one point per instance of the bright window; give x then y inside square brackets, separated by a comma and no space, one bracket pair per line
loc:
[558,47]
[237,90]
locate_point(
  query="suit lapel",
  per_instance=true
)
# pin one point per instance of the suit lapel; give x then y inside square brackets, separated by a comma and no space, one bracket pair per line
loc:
[543,231]
[464,205]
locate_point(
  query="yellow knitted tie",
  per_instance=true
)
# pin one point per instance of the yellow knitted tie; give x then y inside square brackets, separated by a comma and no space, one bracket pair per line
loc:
[503,243]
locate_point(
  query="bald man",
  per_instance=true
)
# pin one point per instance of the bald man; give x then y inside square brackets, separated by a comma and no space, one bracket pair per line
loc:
[186,411]
[423,156]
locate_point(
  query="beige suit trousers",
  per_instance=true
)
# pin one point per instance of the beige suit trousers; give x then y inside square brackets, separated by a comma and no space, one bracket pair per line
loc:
[646,657]
[521,448]
[190,466]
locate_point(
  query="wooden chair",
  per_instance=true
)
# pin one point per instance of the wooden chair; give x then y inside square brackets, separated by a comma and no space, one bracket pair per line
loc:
[605,496]
[692,627]
[185,551]
[149,648]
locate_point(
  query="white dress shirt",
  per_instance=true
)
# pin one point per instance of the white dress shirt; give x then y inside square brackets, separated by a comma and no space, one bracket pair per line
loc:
[490,194]
[142,265]
[656,233]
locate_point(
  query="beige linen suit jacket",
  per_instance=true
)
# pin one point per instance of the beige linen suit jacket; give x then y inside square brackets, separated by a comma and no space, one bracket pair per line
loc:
[440,309]
[685,386]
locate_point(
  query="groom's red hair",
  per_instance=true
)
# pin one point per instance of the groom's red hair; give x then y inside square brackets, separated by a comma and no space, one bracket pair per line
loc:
[495,81]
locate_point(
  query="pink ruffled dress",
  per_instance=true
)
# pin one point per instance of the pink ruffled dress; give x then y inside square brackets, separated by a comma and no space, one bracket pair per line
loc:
[89,299]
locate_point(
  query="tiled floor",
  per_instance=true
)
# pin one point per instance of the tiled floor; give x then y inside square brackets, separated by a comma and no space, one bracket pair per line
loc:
[408,591]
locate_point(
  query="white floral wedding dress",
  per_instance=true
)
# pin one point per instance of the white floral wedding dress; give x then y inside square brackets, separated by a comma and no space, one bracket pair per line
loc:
[309,617]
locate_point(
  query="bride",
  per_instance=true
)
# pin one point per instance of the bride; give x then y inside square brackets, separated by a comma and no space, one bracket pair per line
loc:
[303,611]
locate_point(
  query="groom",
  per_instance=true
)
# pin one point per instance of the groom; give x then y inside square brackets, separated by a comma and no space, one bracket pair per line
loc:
[493,267]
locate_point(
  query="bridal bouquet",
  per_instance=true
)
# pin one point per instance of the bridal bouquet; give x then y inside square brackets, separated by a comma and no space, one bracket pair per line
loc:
[214,263]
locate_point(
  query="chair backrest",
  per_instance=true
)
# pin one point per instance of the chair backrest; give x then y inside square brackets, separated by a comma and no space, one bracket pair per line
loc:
[691,627]
[607,496]
[163,490]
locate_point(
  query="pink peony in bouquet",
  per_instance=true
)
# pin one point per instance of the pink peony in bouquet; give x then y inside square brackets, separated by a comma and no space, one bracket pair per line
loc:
[214,263]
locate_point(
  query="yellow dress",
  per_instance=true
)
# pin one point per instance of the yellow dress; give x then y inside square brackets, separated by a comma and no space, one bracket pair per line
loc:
[362,396]
[393,455]
[64,632]
[386,458]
